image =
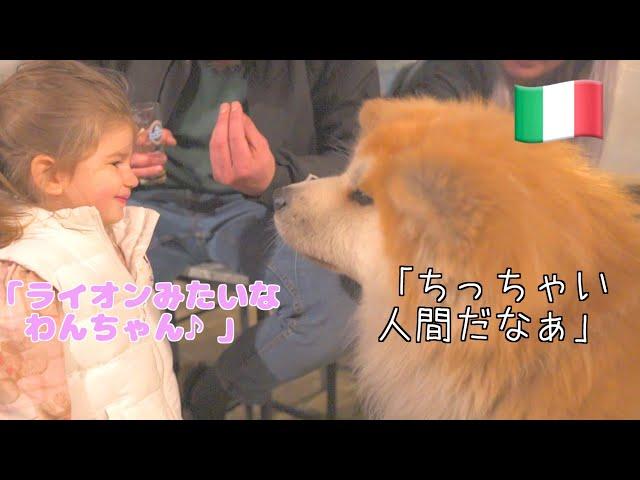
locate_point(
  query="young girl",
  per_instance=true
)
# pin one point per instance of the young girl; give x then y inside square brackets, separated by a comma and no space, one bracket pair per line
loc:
[66,138]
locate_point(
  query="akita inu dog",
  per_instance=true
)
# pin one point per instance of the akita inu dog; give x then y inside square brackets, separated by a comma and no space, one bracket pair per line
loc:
[444,185]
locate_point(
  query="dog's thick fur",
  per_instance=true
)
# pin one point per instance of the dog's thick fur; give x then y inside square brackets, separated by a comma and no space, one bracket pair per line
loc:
[452,190]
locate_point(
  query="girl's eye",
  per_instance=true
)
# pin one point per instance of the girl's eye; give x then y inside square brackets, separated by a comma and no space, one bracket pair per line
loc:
[361,198]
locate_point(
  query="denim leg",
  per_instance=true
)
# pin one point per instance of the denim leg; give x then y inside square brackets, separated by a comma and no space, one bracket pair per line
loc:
[307,331]
[174,245]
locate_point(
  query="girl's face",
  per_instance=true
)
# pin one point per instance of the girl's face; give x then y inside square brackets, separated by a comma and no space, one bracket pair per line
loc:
[105,179]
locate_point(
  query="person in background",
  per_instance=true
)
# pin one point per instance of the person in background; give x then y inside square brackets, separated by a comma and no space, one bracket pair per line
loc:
[494,80]
[237,130]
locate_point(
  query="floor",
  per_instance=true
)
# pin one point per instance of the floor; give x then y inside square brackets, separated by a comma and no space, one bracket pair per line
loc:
[306,393]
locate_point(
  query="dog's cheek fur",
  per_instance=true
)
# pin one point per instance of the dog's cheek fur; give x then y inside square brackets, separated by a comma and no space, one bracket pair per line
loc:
[551,215]
[548,214]
[315,224]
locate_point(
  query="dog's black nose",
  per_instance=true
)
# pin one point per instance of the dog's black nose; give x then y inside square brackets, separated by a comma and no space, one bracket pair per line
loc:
[279,199]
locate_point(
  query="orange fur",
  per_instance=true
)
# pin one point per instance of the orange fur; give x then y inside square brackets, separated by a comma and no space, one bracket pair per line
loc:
[454,191]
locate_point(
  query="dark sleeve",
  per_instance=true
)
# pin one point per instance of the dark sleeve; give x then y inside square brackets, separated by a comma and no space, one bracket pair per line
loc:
[338,89]
[447,79]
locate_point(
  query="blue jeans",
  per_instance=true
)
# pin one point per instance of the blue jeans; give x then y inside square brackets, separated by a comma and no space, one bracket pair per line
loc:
[307,331]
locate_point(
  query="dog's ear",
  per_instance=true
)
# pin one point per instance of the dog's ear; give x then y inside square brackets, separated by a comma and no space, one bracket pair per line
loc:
[373,112]
[384,110]
[421,194]
[436,198]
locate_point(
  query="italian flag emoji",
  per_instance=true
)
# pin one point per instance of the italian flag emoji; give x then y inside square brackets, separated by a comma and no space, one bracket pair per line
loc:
[559,111]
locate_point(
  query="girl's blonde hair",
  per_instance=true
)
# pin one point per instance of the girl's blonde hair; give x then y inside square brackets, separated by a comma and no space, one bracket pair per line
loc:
[56,108]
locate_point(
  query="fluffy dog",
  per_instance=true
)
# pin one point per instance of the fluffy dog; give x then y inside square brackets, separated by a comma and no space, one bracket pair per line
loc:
[444,185]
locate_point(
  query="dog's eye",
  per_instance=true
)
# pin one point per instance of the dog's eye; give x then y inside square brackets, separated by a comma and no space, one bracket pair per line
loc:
[361,198]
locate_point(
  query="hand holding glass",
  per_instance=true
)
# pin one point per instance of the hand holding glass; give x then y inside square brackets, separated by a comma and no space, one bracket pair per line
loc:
[147,117]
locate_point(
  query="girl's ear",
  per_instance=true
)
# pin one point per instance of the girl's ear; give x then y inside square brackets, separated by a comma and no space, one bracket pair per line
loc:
[46,177]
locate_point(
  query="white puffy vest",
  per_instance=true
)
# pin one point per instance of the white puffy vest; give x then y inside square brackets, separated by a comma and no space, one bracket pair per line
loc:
[116,379]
